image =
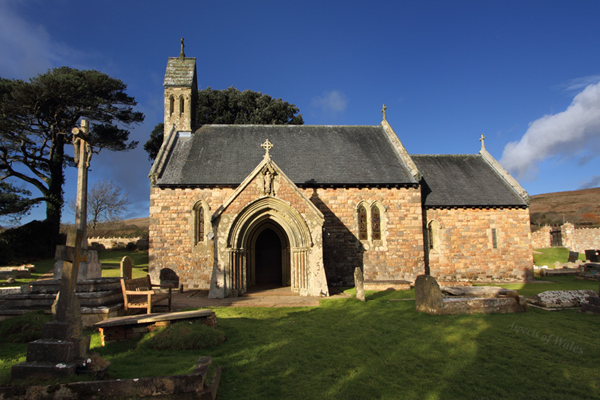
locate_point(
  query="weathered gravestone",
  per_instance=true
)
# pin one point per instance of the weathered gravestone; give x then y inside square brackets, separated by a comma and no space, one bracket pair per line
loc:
[126,268]
[573,256]
[359,283]
[63,347]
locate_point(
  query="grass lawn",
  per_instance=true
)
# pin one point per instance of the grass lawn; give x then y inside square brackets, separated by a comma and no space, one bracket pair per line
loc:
[110,260]
[551,255]
[382,349]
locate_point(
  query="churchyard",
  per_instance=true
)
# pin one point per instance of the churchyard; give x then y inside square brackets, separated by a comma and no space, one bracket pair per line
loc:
[347,349]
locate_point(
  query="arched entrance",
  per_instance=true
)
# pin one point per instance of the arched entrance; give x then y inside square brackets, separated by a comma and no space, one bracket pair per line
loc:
[267,259]
[268,256]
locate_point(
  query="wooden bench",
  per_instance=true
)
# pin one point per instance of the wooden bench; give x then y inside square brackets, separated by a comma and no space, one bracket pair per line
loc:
[139,293]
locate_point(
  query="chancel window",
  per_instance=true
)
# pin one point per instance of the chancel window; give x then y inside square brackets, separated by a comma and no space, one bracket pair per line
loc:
[375,223]
[362,223]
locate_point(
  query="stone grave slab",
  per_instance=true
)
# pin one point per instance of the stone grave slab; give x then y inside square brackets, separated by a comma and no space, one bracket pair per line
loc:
[560,299]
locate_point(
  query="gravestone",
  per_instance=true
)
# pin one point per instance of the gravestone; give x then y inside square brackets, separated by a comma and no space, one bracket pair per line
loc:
[64,347]
[359,283]
[428,296]
[126,268]
[591,255]
[573,256]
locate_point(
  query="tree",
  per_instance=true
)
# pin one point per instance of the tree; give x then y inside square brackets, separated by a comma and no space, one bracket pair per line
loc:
[152,146]
[14,201]
[36,119]
[106,202]
[230,106]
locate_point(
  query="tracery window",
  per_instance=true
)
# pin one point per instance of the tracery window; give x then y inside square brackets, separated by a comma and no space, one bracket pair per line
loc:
[375,223]
[362,223]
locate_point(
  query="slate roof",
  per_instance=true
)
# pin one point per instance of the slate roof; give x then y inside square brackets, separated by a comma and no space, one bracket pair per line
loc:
[308,155]
[180,72]
[464,180]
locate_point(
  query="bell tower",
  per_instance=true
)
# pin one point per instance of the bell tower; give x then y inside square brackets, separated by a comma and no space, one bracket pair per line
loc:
[181,92]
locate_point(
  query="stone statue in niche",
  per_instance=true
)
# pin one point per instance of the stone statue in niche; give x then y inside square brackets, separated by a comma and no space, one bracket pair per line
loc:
[268,174]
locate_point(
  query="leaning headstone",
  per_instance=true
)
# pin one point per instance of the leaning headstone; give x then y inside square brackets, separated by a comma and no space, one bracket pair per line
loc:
[126,268]
[573,256]
[359,282]
[428,296]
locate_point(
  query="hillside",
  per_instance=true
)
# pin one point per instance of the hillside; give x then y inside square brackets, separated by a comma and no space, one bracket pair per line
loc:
[581,207]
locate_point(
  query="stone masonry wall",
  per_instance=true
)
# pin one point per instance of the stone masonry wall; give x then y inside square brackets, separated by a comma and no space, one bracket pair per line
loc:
[540,239]
[466,251]
[580,239]
[171,235]
[398,256]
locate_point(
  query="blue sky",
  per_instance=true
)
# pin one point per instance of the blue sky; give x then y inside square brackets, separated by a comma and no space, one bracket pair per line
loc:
[524,73]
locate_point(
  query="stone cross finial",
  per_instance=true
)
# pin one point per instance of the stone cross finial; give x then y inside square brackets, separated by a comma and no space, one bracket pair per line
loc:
[181,53]
[267,146]
[482,141]
[383,111]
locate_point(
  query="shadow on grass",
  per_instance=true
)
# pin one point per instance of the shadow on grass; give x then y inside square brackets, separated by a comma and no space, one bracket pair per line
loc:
[346,349]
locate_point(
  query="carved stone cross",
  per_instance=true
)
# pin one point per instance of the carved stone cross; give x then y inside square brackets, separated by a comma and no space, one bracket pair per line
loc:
[482,141]
[83,157]
[67,305]
[383,111]
[267,146]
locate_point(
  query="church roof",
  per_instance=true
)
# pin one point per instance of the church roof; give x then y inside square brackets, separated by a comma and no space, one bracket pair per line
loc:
[180,72]
[464,181]
[308,154]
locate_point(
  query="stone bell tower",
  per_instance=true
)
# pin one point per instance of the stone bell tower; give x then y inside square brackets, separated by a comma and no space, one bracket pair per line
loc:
[181,92]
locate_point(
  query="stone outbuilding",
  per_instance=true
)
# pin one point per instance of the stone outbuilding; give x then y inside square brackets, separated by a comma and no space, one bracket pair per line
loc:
[237,207]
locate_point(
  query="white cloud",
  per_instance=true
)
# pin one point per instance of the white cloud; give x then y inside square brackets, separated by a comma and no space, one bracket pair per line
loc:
[591,183]
[331,103]
[571,134]
[27,49]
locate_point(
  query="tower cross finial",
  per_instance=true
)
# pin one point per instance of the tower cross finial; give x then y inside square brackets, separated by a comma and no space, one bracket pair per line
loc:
[383,111]
[482,139]
[267,146]
[181,53]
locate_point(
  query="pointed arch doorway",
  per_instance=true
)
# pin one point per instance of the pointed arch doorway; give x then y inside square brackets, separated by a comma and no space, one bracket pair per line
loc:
[269,264]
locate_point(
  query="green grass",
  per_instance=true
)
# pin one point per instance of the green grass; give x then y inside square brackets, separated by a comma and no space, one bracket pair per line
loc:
[551,255]
[111,261]
[381,349]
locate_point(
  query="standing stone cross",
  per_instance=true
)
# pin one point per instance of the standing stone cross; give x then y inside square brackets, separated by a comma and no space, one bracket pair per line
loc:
[67,306]
[83,157]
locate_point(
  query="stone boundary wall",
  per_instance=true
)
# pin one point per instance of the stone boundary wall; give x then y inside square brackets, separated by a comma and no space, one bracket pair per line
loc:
[116,243]
[540,239]
[575,239]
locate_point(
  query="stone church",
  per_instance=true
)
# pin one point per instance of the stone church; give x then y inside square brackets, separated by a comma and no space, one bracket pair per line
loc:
[237,207]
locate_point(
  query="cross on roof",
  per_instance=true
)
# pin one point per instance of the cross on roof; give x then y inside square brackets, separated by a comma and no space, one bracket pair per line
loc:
[267,146]
[482,141]
[383,110]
